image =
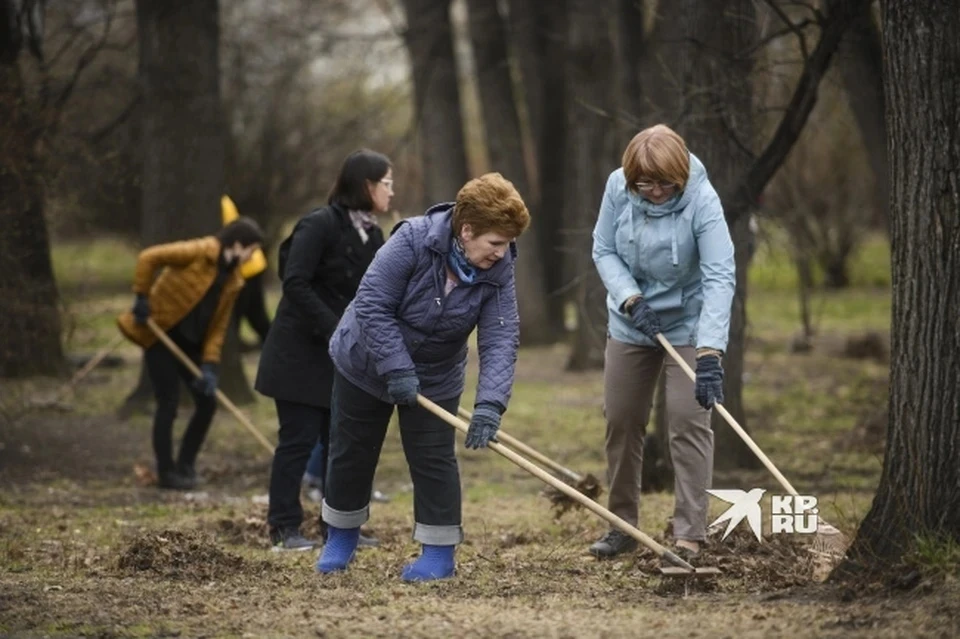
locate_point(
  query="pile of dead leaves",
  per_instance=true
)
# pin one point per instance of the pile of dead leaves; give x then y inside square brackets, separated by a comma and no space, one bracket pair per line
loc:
[746,565]
[191,555]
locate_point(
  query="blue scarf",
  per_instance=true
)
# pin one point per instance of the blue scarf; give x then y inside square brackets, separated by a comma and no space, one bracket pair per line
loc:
[459,264]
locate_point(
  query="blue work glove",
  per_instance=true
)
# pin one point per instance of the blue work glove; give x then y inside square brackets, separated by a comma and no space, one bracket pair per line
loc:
[644,318]
[141,309]
[483,426]
[403,387]
[207,382]
[709,387]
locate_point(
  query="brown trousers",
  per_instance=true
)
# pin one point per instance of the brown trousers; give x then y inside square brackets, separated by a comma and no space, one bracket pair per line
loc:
[630,378]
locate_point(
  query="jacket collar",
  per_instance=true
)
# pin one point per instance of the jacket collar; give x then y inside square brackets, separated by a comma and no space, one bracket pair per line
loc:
[440,232]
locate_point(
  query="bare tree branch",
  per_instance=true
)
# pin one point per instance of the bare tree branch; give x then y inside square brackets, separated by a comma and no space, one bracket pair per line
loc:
[840,16]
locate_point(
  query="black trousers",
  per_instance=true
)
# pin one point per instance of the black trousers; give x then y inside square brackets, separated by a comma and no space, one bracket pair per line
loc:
[300,425]
[358,426]
[166,373]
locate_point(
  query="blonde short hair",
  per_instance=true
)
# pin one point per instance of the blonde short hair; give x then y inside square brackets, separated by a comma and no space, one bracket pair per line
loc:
[490,203]
[657,154]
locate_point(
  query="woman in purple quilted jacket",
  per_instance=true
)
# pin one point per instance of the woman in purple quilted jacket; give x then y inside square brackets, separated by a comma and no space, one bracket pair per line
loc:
[438,277]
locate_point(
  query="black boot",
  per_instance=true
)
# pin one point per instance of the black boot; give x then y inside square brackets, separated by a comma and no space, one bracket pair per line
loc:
[173,480]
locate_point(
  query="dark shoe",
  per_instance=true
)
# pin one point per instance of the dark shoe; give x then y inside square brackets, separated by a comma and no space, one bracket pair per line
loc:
[290,540]
[612,544]
[189,471]
[173,480]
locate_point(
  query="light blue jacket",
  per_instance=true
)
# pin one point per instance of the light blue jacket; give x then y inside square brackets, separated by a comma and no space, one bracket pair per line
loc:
[678,255]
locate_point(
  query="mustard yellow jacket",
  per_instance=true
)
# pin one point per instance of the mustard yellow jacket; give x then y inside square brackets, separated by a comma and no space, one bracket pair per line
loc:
[189,268]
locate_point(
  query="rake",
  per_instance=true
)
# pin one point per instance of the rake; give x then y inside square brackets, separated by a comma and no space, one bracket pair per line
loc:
[230,406]
[587,484]
[829,539]
[679,566]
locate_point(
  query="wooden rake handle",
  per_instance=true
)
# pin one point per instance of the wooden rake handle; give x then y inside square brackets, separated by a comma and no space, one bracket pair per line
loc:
[516,444]
[729,418]
[570,492]
[230,406]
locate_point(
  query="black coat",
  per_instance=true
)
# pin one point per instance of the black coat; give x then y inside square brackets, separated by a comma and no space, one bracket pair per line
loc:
[321,264]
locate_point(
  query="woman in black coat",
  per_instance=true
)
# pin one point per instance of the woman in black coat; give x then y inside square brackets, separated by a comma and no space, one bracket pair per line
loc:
[321,264]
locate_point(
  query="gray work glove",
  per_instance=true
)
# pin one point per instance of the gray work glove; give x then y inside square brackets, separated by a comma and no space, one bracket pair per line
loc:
[403,388]
[483,426]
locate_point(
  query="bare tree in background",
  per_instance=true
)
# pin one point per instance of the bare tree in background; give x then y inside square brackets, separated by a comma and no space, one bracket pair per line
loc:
[593,153]
[29,300]
[860,60]
[504,141]
[918,498]
[429,38]
[714,66]
[538,31]
[183,143]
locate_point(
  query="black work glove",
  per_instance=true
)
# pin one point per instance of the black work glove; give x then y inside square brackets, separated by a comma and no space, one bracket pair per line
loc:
[645,319]
[483,426]
[709,387]
[141,309]
[403,387]
[206,384]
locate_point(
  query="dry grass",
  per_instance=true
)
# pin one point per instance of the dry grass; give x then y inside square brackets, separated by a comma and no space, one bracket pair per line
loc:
[87,550]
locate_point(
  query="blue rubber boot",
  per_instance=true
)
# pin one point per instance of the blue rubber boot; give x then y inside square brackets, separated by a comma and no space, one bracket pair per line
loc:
[435,562]
[339,550]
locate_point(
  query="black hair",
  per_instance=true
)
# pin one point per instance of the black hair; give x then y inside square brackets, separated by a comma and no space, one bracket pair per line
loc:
[350,190]
[244,230]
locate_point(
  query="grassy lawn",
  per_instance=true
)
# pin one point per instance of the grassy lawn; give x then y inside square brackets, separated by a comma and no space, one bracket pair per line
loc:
[86,549]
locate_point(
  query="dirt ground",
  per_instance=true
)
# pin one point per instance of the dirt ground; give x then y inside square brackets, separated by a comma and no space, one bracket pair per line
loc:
[88,548]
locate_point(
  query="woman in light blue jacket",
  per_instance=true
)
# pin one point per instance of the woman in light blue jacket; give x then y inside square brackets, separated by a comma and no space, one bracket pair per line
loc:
[663,251]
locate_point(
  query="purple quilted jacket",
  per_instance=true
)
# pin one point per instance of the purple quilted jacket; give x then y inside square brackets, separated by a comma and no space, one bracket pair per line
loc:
[400,319]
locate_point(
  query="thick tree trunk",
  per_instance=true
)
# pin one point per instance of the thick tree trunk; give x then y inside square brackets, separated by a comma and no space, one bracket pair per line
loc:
[539,35]
[505,148]
[183,142]
[592,155]
[429,40]
[29,301]
[919,492]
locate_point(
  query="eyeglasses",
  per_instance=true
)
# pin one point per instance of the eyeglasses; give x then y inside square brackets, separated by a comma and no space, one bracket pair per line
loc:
[387,183]
[649,187]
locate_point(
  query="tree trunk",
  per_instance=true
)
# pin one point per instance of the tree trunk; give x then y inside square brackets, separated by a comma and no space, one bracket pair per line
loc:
[718,127]
[539,33]
[632,50]
[860,59]
[429,39]
[730,452]
[918,495]
[183,142]
[592,155]
[505,148]
[29,301]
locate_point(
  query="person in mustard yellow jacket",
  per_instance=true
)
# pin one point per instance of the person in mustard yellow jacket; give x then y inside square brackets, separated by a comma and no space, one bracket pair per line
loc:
[251,302]
[191,299]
